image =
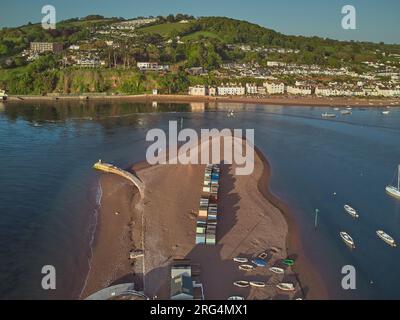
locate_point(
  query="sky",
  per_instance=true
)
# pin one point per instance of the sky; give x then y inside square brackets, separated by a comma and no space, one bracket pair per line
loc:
[377,20]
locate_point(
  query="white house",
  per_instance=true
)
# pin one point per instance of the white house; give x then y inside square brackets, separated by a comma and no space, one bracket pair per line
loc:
[251,88]
[198,90]
[274,88]
[299,90]
[231,90]
[151,66]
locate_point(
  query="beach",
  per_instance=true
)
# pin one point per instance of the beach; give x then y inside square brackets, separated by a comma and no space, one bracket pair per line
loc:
[272,100]
[162,224]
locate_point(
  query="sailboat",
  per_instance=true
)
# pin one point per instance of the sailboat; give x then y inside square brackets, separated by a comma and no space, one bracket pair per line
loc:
[392,190]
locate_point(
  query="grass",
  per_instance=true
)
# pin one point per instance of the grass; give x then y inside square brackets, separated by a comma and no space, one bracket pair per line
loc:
[165,29]
[196,36]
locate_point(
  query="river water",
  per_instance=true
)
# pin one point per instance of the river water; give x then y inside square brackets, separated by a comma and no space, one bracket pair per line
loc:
[49,193]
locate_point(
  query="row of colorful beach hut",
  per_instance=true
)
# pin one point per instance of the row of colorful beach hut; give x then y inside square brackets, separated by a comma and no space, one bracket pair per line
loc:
[208,212]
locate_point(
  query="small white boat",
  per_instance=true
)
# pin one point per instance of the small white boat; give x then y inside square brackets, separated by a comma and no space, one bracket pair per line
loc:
[385,237]
[328,115]
[235,298]
[336,109]
[257,284]
[241,284]
[345,112]
[277,270]
[392,190]
[347,239]
[246,267]
[385,112]
[351,211]
[241,260]
[349,108]
[285,286]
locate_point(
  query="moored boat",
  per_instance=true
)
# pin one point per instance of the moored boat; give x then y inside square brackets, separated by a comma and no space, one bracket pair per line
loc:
[347,239]
[385,237]
[386,112]
[351,211]
[392,190]
[277,270]
[328,115]
[241,284]
[241,260]
[345,112]
[285,286]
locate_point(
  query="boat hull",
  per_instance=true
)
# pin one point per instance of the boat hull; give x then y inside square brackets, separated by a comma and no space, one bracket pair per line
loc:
[390,241]
[392,191]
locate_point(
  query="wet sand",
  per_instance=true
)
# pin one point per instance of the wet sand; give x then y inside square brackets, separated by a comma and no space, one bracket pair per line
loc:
[251,220]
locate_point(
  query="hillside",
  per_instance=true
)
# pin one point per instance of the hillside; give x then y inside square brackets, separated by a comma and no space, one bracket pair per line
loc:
[179,41]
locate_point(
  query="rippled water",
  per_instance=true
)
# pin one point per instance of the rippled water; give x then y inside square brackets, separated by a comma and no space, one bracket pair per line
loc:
[49,193]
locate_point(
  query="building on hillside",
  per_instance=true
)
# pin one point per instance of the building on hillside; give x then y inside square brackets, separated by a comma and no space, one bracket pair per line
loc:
[231,90]
[41,47]
[89,63]
[387,91]
[152,66]
[212,91]
[274,88]
[276,64]
[261,90]
[199,90]
[299,90]
[251,88]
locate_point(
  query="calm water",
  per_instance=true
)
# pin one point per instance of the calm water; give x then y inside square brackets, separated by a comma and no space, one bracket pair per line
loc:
[49,193]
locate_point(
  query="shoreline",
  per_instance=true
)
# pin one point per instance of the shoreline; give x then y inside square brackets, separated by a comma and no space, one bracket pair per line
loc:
[272,100]
[307,274]
[304,272]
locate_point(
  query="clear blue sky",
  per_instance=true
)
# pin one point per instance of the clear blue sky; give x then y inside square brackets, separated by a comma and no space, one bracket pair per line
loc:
[377,20]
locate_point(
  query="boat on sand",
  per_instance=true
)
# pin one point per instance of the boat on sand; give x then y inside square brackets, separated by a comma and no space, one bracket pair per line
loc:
[285,286]
[277,270]
[246,267]
[241,284]
[258,284]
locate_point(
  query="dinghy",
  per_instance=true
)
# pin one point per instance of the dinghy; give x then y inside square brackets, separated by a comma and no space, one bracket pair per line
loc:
[241,284]
[246,267]
[277,270]
[347,239]
[385,237]
[288,262]
[257,284]
[235,298]
[241,260]
[351,211]
[285,286]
